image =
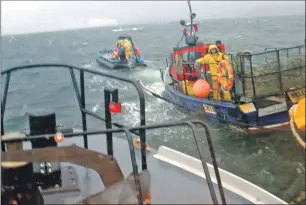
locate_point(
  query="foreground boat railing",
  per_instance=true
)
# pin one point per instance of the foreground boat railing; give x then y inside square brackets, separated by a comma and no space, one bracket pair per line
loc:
[127,131]
[140,131]
[80,94]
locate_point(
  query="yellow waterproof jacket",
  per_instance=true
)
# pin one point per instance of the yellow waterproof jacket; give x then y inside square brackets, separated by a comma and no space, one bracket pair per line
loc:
[212,59]
[127,46]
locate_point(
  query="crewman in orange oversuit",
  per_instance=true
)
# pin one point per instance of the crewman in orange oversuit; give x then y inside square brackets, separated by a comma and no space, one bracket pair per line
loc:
[212,58]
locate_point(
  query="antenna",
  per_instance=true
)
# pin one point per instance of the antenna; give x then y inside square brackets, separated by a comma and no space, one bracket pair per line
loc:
[192,16]
[190,37]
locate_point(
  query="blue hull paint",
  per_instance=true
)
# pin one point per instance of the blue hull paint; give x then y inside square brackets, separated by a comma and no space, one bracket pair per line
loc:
[227,112]
[274,118]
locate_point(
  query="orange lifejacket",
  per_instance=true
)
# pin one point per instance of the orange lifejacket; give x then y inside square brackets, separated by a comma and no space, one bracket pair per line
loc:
[137,52]
[115,54]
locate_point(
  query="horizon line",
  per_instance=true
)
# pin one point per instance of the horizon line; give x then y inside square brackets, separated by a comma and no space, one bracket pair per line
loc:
[127,24]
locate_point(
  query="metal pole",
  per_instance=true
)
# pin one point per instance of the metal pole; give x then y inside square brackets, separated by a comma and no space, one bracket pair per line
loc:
[253,83]
[280,71]
[108,122]
[83,104]
[3,104]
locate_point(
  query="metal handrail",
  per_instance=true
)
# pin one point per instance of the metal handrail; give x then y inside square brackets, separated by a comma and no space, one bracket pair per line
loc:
[191,124]
[141,130]
[81,99]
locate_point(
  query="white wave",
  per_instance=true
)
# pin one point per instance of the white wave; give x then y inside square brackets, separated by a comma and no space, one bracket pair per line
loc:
[95,108]
[98,83]
[84,43]
[238,36]
[127,29]
[157,87]
[130,113]
[87,65]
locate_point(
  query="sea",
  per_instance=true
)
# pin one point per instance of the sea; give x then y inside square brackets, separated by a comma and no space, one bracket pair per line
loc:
[274,161]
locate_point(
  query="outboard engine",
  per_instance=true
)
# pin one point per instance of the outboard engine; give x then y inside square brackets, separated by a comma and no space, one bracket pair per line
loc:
[47,174]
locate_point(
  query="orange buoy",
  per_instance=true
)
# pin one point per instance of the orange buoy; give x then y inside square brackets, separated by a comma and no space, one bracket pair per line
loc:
[58,137]
[201,88]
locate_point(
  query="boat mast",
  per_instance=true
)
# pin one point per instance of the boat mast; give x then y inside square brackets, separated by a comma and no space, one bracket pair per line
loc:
[192,16]
[193,30]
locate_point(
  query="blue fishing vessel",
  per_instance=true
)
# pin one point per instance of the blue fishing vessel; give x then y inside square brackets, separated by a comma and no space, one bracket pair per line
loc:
[262,86]
[108,59]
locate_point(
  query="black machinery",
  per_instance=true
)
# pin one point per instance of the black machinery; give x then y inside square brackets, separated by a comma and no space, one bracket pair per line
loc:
[47,174]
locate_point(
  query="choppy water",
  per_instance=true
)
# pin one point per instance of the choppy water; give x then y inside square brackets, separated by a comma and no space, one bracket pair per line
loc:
[273,162]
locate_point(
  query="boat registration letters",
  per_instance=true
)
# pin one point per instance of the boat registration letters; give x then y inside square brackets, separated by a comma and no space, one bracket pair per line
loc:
[209,109]
[296,95]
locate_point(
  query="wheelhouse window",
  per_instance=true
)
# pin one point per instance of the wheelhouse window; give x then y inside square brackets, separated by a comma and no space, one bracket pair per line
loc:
[190,57]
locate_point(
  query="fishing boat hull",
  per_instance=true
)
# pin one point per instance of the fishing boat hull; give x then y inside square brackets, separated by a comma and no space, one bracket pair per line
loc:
[105,60]
[252,117]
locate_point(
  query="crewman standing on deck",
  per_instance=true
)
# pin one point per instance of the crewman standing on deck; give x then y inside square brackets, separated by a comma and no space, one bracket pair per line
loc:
[126,46]
[212,58]
[121,52]
[127,49]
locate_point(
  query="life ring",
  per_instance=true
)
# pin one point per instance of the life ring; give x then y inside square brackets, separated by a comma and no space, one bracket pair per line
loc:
[137,52]
[136,143]
[226,84]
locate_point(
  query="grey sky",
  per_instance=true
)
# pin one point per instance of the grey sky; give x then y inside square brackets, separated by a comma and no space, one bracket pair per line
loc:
[36,16]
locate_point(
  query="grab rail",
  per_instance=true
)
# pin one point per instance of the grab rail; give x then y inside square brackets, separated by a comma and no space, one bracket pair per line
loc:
[81,99]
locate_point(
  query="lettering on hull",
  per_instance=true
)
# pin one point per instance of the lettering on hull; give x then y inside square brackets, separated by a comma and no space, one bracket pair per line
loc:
[296,95]
[209,109]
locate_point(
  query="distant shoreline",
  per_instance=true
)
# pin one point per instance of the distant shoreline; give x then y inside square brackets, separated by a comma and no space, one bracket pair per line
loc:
[147,23]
